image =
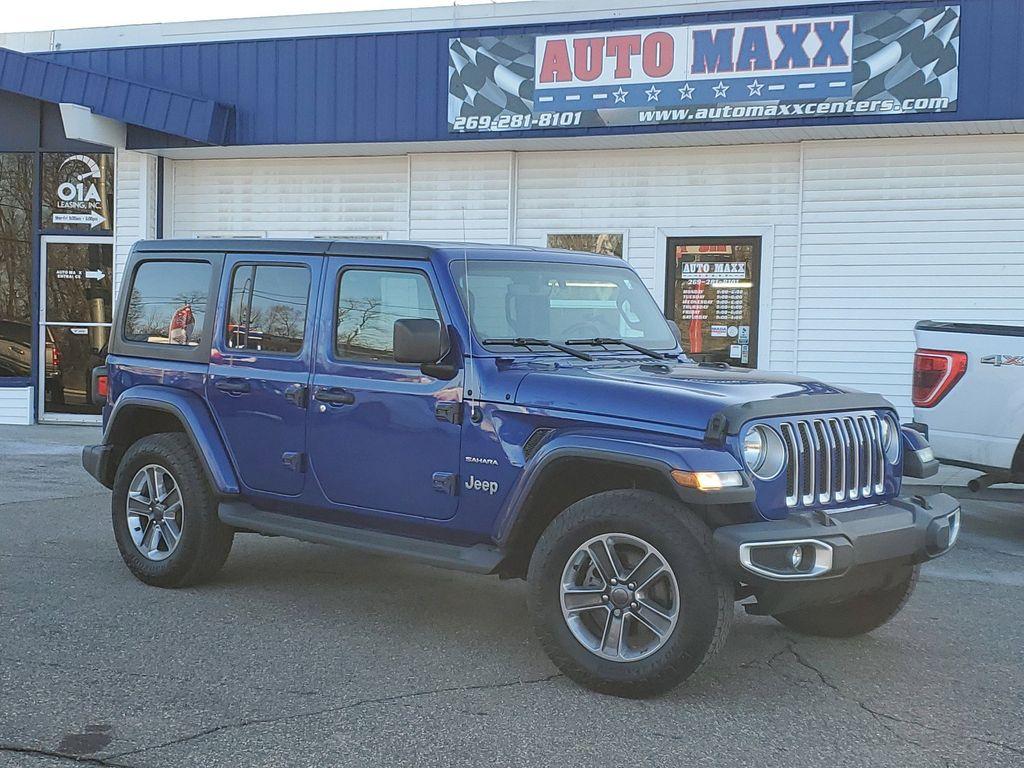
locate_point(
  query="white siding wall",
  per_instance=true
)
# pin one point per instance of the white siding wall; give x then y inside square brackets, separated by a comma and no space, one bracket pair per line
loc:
[135,205]
[862,237]
[461,196]
[305,197]
[896,231]
[16,405]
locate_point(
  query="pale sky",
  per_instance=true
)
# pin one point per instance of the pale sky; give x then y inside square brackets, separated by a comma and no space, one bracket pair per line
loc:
[21,16]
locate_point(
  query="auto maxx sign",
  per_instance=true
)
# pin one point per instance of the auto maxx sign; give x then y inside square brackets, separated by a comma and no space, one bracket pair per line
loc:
[871,63]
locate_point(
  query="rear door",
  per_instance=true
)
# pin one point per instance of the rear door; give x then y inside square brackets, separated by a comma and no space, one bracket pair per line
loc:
[259,367]
[383,436]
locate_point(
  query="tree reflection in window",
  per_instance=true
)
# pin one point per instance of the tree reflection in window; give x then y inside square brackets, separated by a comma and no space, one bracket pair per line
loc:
[167,303]
[16,195]
[369,303]
[267,312]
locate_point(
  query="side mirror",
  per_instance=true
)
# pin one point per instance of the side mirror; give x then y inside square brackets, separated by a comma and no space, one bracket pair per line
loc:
[418,341]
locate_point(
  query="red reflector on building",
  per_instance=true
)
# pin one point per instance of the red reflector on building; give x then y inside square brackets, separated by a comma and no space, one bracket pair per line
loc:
[936,372]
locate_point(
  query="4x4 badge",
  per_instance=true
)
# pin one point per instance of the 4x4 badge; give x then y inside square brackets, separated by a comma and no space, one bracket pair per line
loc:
[1000,360]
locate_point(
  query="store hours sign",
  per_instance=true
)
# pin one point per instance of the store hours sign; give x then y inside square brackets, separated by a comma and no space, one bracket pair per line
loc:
[78,191]
[870,63]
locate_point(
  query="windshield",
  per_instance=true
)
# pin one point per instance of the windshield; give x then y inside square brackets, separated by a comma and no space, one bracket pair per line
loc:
[560,302]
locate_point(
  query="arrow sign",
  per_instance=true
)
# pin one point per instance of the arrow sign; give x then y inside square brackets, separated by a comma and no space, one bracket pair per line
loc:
[91,218]
[99,274]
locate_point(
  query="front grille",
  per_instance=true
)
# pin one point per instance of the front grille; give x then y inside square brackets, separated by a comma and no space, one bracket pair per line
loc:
[833,459]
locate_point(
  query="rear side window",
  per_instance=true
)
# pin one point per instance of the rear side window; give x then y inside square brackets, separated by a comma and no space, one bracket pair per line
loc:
[167,303]
[369,303]
[268,305]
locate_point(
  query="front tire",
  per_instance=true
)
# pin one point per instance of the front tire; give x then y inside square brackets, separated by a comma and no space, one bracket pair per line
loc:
[625,595]
[856,616]
[164,514]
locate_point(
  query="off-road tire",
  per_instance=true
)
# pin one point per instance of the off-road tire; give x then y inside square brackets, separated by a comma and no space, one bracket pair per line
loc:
[205,541]
[706,598]
[857,615]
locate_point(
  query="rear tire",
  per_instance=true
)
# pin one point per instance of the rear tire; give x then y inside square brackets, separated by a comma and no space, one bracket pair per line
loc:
[688,601]
[164,514]
[856,616]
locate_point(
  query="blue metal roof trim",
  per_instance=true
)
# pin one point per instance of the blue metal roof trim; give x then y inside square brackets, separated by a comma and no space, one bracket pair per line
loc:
[152,107]
[392,87]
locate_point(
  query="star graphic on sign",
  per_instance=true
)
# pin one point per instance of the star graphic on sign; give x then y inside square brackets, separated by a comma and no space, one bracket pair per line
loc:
[620,95]
[653,93]
[720,90]
[686,92]
[755,88]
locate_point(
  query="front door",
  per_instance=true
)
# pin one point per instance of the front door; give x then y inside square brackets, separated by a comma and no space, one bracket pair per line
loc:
[712,286]
[74,325]
[379,436]
[262,348]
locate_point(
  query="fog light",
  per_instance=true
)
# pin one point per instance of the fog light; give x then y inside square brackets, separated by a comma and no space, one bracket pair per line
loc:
[796,557]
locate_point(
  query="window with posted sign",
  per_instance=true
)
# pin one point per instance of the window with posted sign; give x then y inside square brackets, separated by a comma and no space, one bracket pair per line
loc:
[713,288]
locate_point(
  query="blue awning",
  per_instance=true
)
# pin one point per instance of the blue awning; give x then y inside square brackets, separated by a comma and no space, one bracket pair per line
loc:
[158,109]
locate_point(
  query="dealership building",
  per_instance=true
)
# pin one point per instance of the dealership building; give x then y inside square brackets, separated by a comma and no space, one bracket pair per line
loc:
[797,182]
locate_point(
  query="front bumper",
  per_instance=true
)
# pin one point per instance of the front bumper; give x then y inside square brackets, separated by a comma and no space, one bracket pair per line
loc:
[842,554]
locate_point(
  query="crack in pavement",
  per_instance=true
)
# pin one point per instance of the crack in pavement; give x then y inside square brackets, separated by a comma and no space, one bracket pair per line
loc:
[879,716]
[80,759]
[85,669]
[329,710]
[79,496]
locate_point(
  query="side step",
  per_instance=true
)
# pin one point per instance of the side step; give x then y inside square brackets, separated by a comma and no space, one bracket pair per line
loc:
[479,558]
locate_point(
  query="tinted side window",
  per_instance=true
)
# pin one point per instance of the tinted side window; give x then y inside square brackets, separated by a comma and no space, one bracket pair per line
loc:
[268,308]
[369,303]
[167,303]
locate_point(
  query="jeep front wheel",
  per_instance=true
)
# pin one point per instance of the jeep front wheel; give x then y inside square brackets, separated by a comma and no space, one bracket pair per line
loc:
[625,595]
[165,514]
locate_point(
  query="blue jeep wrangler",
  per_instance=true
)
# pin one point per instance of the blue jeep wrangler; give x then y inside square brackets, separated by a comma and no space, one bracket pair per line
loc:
[504,410]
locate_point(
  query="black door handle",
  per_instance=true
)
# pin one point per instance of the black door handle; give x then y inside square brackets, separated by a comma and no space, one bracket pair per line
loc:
[335,396]
[233,386]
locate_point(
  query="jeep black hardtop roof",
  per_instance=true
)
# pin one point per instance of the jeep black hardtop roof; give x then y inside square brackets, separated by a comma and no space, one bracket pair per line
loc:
[393,249]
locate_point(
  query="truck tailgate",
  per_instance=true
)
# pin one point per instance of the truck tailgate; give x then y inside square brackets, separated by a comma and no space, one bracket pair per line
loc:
[979,420]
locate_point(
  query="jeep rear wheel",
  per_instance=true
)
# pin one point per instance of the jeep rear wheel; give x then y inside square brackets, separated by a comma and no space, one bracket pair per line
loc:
[164,514]
[625,595]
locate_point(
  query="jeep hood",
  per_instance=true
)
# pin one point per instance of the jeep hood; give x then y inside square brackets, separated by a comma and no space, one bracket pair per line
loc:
[678,394]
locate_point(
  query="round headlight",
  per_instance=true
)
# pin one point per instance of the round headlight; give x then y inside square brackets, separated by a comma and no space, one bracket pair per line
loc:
[763,452]
[890,434]
[754,449]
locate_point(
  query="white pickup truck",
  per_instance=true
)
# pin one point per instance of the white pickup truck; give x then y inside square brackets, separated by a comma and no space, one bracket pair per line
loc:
[969,397]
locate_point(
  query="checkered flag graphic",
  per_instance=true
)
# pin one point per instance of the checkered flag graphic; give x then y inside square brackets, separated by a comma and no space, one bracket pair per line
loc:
[490,76]
[908,54]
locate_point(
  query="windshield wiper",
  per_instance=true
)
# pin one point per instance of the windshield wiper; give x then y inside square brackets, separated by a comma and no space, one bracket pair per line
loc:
[602,341]
[521,342]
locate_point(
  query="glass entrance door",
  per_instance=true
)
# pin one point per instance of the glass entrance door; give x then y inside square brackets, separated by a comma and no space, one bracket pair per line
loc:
[75,317]
[713,286]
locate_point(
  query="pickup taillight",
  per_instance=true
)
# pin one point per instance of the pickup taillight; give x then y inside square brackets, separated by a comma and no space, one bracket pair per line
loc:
[936,372]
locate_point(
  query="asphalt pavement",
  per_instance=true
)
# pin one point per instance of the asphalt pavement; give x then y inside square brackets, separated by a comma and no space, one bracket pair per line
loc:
[302,655]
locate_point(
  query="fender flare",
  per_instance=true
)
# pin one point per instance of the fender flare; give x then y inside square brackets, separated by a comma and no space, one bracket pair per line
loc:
[623,452]
[196,421]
